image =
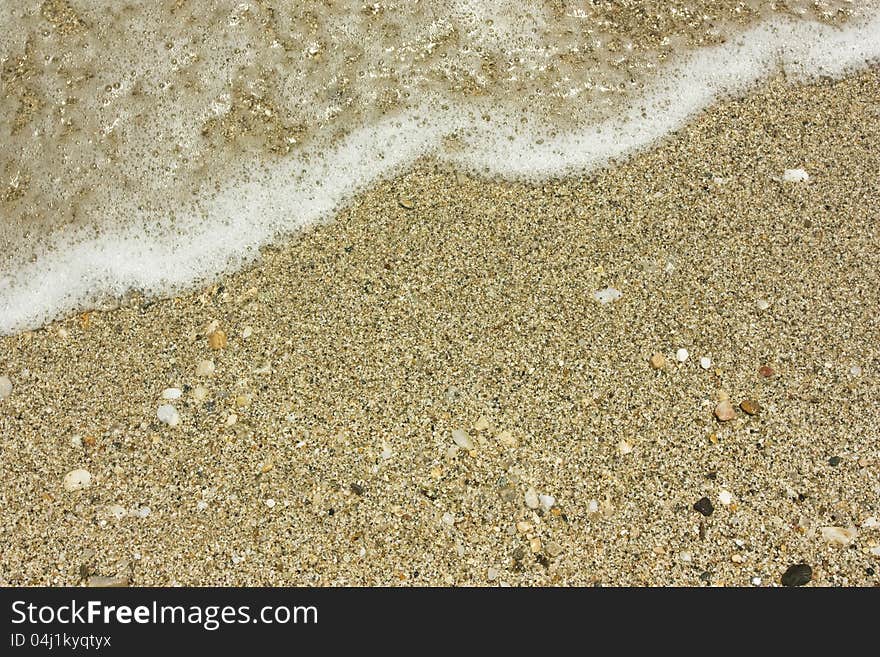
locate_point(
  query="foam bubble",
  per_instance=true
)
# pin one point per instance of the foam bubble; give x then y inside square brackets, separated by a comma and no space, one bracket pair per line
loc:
[161,253]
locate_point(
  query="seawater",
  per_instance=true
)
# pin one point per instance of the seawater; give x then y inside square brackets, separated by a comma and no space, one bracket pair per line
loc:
[152,146]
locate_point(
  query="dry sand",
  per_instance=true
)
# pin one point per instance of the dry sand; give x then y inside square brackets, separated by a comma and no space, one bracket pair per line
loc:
[322,452]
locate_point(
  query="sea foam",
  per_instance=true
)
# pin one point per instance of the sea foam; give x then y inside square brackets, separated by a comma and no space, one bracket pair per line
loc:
[80,268]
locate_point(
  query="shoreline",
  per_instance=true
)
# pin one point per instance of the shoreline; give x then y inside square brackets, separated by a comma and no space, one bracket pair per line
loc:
[320,450]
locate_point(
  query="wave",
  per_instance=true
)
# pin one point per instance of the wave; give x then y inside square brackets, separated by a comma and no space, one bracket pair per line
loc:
[81,268]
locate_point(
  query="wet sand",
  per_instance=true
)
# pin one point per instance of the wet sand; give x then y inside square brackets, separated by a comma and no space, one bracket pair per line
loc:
[320,451]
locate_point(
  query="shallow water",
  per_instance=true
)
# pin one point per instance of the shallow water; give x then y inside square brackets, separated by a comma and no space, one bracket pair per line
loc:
[151,145]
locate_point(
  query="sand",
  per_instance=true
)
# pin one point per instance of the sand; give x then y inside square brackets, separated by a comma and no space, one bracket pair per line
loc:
[321,452]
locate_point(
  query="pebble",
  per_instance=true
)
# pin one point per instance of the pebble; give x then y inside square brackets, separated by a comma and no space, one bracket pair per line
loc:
[523,527]
[460,438]
[492,574]
[448,519]
[624,448]
[724,410]
[795,176]
[116,511]
[871,522]
[200,393]
[855,370]
[657,361]
[547,501]
[705,362]
[553,549]
[5,387]
[270,503]
[842,536]
[99,581]
[797,575]
[406,202]
[725,497]
[593,506]
[766,371]
[217,339]
[481,424]
[750,406]
[246,332]
[167,414]
[681,355]
[506,438]
[532,500]
[205,368]
[171,393]
[608,295]
[535,545]
[77,480]
[834,461]
[763,304]
[704,506]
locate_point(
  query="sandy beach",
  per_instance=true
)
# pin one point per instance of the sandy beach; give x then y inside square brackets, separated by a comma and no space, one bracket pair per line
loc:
[426,390]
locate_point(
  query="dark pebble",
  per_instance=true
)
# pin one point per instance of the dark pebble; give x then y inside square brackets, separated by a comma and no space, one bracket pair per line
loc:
[797,575]
[704,506]
[357,489]
[834,461]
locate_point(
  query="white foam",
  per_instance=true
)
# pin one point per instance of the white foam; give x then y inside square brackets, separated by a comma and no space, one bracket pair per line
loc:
[161,257]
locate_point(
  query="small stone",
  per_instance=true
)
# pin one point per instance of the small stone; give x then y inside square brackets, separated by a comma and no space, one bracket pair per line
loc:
[766,371]
[855,370]
[547,501]
[98,581]
[116,511]
[406,202]
[834,461]
[763,304]
[492,574]
[506,438]
[357,489]
[205,368]
[246,332]
[553,549]
[657,361]
[523,527]
[624,448]
[681,355]
[535,545]
[200,393]
[725,497]
[724,411]
[77,480]
[593,506]
[270,503]
[5,387]
[704,506]
[460,438]
[795,176]
[842,536]
[481,424]
[870,522]
[705,362]
[750,406]
[448,519]
[532,500]
[608,295]
[171,393]
[217,340]
[167,414]
[797,575]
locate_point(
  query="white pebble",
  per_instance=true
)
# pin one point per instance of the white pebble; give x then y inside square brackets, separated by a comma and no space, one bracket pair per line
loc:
[795,175]
[593,506]
[547,501]
[143,512]
[5,387]
[200,393]
[756,581]
[608,295]
[270,503]
[247,332]
[201,505]
[855,370]
[460,438]
[705,362]
[763,304]
[725,497]
[624,448]
[171,393]
[532,500]
[448,519]
[168,415]
[681,355]
[870,522]
[77,480]
[205,368]
[116,511]
[492,574]
[839,535]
